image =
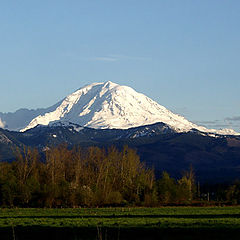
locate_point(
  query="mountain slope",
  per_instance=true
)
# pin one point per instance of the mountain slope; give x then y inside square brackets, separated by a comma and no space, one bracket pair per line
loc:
[214,159]
[109,105]
[21,118]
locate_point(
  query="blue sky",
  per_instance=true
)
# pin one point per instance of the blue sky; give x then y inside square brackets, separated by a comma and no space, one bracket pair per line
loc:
[183,54]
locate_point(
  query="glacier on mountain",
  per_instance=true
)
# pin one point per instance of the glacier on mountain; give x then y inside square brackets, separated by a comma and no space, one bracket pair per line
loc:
[109,105]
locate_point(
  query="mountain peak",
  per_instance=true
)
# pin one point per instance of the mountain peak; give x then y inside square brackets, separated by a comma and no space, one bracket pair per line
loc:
[108,83]
[109,105]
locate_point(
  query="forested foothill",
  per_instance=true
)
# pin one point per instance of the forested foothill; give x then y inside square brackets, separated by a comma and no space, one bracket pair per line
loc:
[97,177]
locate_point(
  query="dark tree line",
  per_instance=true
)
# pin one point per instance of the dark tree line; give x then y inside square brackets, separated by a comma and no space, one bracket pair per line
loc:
[77,177]
[93,177]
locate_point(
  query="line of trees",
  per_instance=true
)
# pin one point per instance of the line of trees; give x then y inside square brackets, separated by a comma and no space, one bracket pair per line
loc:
[92,177]
[77,177]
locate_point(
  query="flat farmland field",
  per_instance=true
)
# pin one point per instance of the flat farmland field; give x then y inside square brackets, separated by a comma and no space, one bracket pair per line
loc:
[121,223]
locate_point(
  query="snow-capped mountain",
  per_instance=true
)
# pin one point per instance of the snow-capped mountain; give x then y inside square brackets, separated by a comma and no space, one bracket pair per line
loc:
[21,118]
[109,105]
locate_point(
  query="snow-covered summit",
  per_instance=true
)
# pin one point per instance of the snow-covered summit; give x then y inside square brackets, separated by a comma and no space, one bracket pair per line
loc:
[109,105]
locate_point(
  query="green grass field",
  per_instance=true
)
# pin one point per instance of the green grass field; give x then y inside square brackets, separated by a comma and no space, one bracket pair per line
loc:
[167,217]
[149,219]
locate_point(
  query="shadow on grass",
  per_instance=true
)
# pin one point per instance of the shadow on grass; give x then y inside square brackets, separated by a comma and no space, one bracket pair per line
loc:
[45,233]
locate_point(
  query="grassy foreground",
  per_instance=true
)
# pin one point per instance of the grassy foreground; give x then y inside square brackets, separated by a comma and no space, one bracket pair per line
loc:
[167,217]
[150,220]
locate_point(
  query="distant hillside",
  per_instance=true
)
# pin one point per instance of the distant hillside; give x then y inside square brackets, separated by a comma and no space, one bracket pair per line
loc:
[215,159]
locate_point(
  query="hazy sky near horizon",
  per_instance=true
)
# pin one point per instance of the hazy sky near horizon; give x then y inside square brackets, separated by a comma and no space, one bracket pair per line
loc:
[183,54]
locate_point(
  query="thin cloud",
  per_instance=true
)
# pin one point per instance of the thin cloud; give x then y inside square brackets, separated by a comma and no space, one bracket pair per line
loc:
[206,122]
[114,58]
[220,124]
[213,124]
[237,119]
[105,59]
[121,56]
[118,57]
